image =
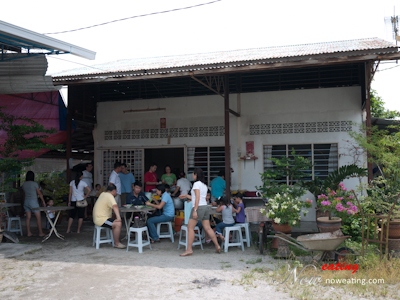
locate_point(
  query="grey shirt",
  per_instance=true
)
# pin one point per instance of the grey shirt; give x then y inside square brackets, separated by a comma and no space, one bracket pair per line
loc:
[227,216]
[29,188]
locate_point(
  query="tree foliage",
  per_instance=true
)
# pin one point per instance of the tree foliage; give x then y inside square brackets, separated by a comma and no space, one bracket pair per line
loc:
[22,133]
[383,148]
[292,168]
[378,109]
[318,186]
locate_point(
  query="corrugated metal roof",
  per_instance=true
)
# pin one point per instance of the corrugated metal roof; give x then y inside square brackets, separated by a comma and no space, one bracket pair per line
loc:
[20,73]
[247,56]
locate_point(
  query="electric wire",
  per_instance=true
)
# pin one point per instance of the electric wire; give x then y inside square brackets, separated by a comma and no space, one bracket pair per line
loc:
[139,16]
[388,68]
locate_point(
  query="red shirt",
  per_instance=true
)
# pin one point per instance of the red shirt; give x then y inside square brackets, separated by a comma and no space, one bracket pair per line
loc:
[150,177]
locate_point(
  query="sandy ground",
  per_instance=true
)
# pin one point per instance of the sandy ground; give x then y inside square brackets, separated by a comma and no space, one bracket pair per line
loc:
[73,269]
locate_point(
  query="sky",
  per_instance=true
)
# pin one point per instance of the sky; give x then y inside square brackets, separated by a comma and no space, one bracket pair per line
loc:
[222,25]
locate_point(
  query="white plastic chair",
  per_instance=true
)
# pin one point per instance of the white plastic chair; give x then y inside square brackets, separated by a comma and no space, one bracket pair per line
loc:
[98,239]
[168,234]
[247,238]
[17,222]
[10,220]
[237,236]
[197,233]
[138,242]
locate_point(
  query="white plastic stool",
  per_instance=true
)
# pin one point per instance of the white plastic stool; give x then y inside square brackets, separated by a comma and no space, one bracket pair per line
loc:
[238,241]
[185,242]
[169,234]
[98,239]
[138,242]
[17,228]
[246,227]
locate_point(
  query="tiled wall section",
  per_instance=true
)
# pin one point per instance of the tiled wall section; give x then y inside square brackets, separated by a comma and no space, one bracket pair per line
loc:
[306,127]
[134,134]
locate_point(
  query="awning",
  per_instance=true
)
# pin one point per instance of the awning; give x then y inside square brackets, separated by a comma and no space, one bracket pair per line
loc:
[16,39]
[23,63]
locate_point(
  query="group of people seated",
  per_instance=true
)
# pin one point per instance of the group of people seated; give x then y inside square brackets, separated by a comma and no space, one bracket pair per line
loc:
[164,205]
[165,211]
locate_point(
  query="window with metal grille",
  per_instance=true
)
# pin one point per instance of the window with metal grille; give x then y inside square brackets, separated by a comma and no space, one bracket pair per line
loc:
[210,159]
[132,158]
[324,158]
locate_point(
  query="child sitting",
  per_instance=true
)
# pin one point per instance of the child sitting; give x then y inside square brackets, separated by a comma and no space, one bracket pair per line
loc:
[239,210]
[50,203]
[227,217]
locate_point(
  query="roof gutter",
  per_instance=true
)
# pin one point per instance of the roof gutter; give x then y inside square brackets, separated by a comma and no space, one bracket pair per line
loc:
[19,33]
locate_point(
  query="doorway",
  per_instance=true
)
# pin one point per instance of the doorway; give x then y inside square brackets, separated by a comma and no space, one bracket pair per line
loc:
[165,156]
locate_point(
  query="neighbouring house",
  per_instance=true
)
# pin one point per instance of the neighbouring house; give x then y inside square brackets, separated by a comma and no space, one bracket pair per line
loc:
[178,110]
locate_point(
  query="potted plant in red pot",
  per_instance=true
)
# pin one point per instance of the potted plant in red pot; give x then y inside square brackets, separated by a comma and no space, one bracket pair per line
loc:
[339,203]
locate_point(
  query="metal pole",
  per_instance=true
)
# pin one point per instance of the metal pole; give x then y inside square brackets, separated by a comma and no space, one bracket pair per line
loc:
[69,146]
[227,143]
[368,110]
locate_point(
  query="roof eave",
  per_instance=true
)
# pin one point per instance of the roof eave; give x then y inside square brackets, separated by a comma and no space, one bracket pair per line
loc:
[224,68]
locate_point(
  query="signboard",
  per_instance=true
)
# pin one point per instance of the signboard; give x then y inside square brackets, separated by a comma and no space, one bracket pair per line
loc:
[163,122]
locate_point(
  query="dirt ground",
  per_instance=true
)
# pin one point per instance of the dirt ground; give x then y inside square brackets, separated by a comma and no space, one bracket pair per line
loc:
[73,269]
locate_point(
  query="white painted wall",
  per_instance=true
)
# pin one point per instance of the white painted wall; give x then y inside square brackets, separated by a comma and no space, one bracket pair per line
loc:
[331,104]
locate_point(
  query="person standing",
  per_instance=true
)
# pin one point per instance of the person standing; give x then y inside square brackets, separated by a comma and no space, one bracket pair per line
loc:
[114,179]
[217,186]
[32,192]
[77,193]
[102,214]
[183,185]
[168,178]
[127,179]
[88,176]
[200,211]
[150,178]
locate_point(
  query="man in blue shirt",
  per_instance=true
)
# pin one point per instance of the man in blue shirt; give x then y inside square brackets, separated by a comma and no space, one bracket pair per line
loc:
[127,179]
[168,212]
[217,187]
[136,197]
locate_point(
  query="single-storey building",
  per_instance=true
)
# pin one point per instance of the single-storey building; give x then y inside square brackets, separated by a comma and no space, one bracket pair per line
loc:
[230,109]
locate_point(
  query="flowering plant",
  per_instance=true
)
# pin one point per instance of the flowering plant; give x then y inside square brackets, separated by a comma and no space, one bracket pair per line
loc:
[339,202]
[285,208]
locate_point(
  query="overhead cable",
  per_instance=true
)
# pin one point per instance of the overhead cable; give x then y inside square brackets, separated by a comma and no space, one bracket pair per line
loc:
[139,16]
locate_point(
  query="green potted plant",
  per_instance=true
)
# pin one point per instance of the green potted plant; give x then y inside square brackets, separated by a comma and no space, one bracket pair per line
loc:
[284,197]
[338,202]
